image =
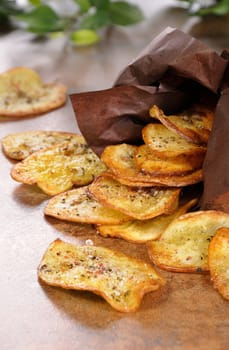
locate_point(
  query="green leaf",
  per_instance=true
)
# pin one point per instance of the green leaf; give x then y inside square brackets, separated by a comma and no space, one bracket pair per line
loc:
[190,1]
[122,13]
[98,20]
[201,8]
[84,37]
[35,2]
[42,20]
[84,5]
[8,7]
[4,20]
[221,8]
[101,4]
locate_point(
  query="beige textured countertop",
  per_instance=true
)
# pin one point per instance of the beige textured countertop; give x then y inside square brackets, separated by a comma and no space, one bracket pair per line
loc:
[187,313]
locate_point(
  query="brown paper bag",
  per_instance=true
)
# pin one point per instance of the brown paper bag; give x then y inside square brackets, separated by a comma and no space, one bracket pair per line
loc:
[173,71]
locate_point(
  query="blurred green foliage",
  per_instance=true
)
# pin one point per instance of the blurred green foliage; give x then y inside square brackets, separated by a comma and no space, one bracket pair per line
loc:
[207,7]
[81,26]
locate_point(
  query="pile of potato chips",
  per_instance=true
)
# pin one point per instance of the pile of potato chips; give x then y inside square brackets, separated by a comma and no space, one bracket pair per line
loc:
[133,192]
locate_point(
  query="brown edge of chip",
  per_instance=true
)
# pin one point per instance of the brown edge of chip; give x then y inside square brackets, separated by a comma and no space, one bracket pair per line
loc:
[169,268]
[221,233]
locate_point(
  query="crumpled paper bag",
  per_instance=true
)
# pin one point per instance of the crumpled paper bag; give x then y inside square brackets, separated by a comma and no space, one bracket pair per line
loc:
[174,71]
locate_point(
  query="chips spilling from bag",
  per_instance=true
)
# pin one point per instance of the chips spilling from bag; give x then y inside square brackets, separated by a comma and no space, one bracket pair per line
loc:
[121,280]
[168,156]
[132,192]
[22,93]
[183,246]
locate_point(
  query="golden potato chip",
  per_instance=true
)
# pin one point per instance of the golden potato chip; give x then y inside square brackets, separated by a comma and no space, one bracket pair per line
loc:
[78,206]
[139,203]
[119,157]
[121,280]
[166,143]
[183,246]
[145,230]
[21,144]
[149,163]
[120,160]
[129,181]
[194,126]
[160,181]
[22,93]
[178,181]
[218,260]
[57,168]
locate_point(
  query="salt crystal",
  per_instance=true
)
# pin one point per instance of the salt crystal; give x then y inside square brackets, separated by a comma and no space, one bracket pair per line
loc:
[89,242]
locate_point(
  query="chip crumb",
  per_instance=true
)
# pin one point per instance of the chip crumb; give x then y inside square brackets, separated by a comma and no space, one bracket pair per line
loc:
[89,242]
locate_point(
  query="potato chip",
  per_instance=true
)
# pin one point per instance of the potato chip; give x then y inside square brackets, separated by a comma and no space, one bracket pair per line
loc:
[218,260]
[165,143]
[149,163]
[119,157]
[22,93]
[129,181]
[183,246]
[137,202]
[137,231]
[120,160]
[57,168]
[178,181]
[121,280]
[194,126]
[78,206]
[160,181]
[21,144]
[122,167]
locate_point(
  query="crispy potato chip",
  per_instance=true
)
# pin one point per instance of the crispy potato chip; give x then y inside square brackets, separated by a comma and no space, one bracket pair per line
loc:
[57,168]
[160,181]
[21,144]
[78,206]
[119,157]
[194,126]
[218,260]
[22,93]
[139,203]
[178,181]
[149,163]
[129,182]
[183,246]
[137,231]
[120,160]
[166,143]
[121,280]
[122,167]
